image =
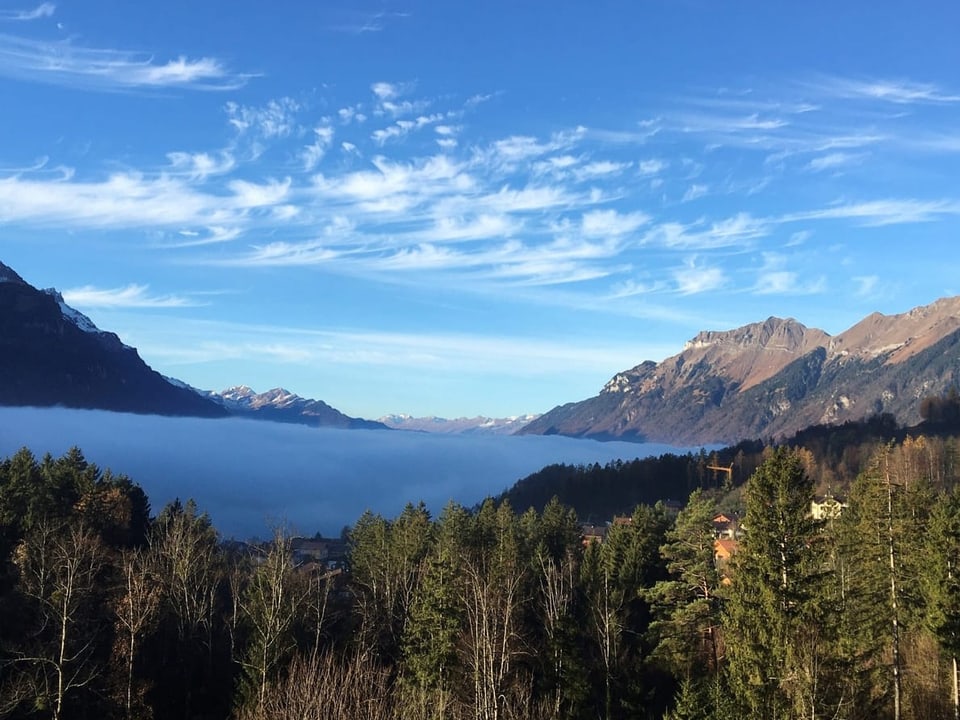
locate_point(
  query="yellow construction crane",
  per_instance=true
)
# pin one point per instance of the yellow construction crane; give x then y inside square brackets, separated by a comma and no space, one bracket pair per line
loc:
[720,468]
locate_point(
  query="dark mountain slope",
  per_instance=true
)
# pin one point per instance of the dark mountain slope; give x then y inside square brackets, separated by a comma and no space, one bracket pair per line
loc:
[52,355]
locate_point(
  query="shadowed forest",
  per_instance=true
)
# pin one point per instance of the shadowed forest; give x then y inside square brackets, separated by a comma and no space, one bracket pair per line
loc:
[494,612]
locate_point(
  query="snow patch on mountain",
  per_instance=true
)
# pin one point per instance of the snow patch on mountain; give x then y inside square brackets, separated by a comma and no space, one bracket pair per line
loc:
[74,316]
[458,426]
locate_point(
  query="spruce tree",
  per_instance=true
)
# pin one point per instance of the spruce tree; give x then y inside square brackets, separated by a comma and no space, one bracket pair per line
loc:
[942,584]
[778,629]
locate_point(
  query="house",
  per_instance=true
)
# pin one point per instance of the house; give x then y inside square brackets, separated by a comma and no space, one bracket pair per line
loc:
[590,534]
[330,552]
[826,508]
[726,526]
[723,550]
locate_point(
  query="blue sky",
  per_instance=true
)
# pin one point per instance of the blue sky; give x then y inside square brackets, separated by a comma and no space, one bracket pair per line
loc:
[473,208]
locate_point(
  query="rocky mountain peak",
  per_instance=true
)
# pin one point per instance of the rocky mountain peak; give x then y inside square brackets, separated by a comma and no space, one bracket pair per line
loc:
[773,333]
[8,275]
[899,337]
[774,377]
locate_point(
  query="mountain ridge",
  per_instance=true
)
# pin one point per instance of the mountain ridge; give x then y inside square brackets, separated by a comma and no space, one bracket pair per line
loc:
[774,377]
[53,355]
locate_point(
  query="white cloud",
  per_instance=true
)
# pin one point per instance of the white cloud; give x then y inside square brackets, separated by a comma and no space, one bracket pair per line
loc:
[693,279]
[211,236]
[276,119]
[348,115]
[312,154]
[63,63]
[133,200]
[131,296]
[599,169]
[735,231]
[609,223]
[251,195]
[385,90]
[866,285]
[199,166]
[394,187]
[883,212]
[832,161]
[777,277]
[41,11]
[527,199]
[510,153]
[476,228]
[900,92]
[653,166]
[695,191]
[284,254]
[403,127]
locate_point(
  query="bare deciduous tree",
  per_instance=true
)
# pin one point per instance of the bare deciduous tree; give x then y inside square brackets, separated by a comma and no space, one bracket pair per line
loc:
[59,569]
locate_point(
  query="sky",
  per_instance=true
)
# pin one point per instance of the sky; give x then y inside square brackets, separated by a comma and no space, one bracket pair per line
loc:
[458,209]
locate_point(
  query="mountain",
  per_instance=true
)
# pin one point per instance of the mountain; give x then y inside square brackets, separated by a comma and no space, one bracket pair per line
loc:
[459,426]
[50,354]
[281,405]
[773,378]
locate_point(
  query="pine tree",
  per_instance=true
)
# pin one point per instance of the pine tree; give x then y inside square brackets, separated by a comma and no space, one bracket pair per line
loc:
[687,605]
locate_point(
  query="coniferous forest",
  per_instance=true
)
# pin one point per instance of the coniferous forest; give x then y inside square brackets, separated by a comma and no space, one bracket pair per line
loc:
[108,610]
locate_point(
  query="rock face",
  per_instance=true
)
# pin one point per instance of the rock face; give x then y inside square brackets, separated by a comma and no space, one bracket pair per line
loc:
[773,378]
[50,354]
[281,405]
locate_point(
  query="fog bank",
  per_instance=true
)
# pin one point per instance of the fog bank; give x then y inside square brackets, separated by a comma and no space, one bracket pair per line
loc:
[250,474]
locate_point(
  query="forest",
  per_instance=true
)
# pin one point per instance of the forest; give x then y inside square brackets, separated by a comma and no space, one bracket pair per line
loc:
[493,612]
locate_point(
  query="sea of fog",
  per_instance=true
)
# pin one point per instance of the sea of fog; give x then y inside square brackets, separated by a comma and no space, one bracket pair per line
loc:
[250,475]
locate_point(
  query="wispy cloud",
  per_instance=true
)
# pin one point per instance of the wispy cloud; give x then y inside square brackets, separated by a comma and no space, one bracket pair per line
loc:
[610,223]
[883,212]
[694,277]
[41,11]
[134,200]
[199,166]
[404,127]
[369,23]
[63,63]
[833,161]
[899,92]
[131,296]
[276,119]
[653,166]
[736,231]
[312,154]
[866,285]
[696,190]
[777,277]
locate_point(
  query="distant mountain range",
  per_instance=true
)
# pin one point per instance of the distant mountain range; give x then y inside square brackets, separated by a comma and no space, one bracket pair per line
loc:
[458,426]
[773,378]
[281,405]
